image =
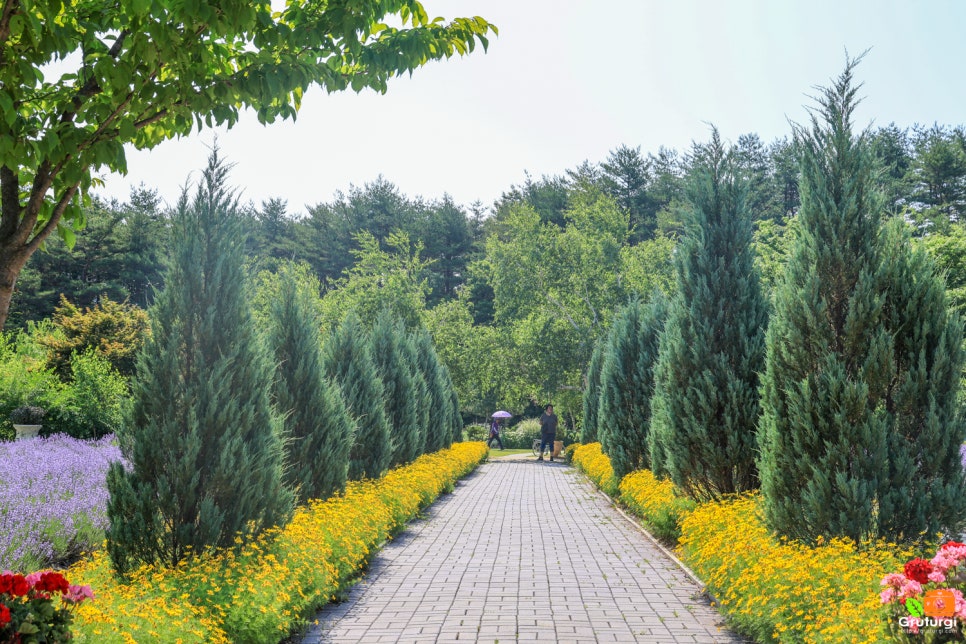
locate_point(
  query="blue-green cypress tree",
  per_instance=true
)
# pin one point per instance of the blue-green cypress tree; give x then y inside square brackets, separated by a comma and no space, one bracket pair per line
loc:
[705,406]
[347,360]
[924,492]
[203,442]
[627,383]
[437,403]
[591,399]
[860,421]
[399,386]
[421,396]
[319,429]
[453,405]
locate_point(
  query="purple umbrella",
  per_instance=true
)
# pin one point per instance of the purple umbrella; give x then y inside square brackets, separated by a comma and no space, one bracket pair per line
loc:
[502,414]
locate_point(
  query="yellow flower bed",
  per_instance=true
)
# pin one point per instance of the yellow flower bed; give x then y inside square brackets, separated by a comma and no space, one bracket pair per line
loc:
[261,591]
[775,591]
[656,502]
[592,462]
[785,591]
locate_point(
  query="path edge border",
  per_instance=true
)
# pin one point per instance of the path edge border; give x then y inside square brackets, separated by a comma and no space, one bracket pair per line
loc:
[637,524]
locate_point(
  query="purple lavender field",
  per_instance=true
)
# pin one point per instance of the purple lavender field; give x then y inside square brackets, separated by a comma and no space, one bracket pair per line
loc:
[53,499]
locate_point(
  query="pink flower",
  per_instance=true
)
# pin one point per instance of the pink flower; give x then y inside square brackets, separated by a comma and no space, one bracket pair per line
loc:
[893,579]
[960,603]
[887,595]
[904,586]
[33,578]
[937,577]
[948,558]
[77,594]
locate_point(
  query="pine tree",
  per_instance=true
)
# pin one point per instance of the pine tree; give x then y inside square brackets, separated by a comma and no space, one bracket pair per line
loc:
[437,405]
[347,360]
[400,386]
[591,400]
[859,419]
[627,382]
[204,443]
[319,428]
[705,405]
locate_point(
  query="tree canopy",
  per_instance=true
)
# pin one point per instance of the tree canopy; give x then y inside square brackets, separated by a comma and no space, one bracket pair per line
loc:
[78,80]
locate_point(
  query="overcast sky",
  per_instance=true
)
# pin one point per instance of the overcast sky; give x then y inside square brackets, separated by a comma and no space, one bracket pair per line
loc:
[569,80]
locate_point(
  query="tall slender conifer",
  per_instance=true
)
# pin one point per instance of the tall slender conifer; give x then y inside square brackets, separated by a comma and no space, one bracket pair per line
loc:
[319,429]
[705,405]
[399,385]
[204,445]
[627,383]
[347,359]
[591,400]
[861,429]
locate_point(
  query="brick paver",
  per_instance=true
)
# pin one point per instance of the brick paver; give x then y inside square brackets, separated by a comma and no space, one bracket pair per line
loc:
[522,552]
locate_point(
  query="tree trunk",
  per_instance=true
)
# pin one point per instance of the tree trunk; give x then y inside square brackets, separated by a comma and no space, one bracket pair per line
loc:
[12,260]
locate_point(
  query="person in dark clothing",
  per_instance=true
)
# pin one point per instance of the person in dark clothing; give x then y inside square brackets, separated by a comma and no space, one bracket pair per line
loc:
[495,433]
[548,431]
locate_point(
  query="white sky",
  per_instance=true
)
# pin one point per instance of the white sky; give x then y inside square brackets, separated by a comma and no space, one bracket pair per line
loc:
[570,80]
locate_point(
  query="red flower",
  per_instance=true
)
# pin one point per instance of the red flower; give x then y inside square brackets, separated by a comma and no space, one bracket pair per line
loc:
[19,585]
[4,615]
[952,544]
[918,570]
[53,582]
[6,580]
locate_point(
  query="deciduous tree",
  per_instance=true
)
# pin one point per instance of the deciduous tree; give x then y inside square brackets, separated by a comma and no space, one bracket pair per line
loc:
[78,81]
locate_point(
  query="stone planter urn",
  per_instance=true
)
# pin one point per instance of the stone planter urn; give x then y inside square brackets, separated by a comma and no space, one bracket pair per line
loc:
[27,431]
[27,420]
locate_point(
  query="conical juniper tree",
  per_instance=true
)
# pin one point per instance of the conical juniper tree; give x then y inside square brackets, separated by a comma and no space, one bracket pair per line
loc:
[347,360]
[924,492]
[860,428]
[705,407]
[421,396]
[399,386]
[591,400]
[436,404]
[456,419]
[204,444]
[319,429]
[627,382]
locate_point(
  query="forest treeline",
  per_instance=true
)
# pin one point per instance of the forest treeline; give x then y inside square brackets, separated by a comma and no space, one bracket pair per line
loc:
[516,294]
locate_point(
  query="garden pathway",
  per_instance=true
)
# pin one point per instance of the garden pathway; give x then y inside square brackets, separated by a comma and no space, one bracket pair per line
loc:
[522,552]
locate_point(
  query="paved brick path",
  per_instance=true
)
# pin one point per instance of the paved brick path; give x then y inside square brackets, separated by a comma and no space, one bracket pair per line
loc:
[522,552]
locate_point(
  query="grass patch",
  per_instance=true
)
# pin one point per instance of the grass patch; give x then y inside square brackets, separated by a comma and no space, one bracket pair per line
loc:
[497,453]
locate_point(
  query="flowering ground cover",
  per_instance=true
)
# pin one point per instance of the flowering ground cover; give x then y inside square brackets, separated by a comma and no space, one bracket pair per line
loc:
[772,590]
[53,499]
[266,588]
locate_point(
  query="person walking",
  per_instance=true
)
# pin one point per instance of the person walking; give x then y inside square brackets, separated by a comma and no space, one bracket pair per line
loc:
[548,431]
[495,433]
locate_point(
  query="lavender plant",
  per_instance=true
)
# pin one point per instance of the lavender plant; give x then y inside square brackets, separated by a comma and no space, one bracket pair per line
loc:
[53,499]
